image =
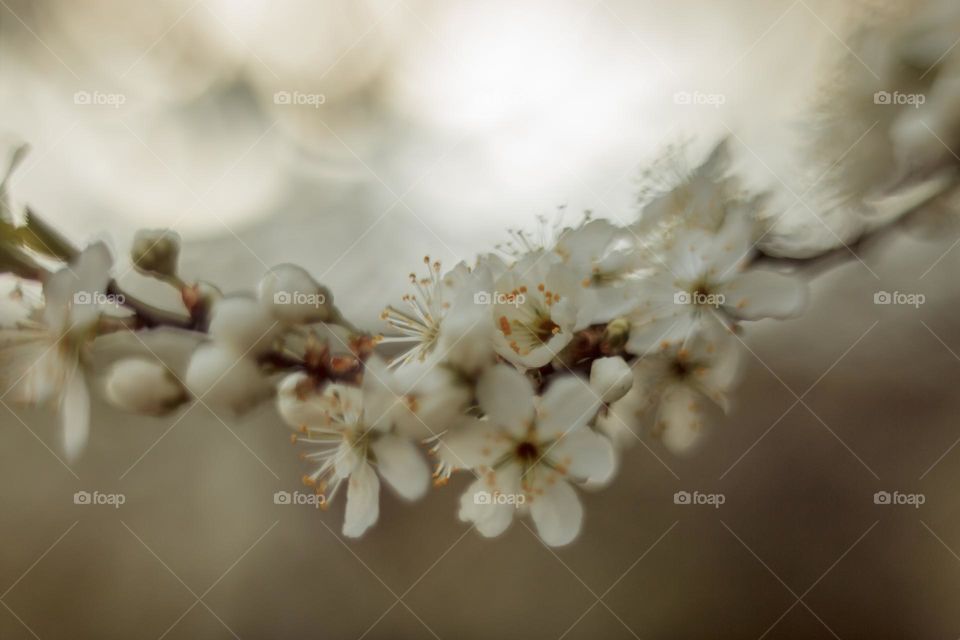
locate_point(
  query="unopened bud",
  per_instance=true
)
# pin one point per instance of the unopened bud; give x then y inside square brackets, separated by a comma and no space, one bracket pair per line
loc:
[143,386]
[292,295]
[615,335]
[156,251]
[223,376]
[242,324]
[611,378]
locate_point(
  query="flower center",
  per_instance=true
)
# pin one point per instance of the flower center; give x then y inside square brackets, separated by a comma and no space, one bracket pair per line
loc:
[527,451]
[679,368]
[545,329]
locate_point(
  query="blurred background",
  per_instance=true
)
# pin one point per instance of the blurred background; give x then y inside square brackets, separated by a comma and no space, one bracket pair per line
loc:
[353,137]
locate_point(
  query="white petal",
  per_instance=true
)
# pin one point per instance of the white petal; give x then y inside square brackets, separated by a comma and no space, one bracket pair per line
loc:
[472,445]
[587,244]
[506,396]
[692,255]
[723,357]
[611,302]
[380,403]
[400,464]
[764,294]
[363,501]
[557,514]
[585,455]
[75,415]
[680,418]
[35,370]
[568,404]
[490,517]
[299,403]
[732,247]
[346,460]
[661,317]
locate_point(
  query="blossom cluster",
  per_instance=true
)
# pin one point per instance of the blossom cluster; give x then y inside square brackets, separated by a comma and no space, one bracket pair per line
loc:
[529,371]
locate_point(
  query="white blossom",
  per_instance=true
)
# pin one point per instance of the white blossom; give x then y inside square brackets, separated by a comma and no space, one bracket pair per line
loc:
[528,450]
[354,442]
[42,359]
[536,307]
[673,388]
[419,325]
[705,279]
[700,198]
[604,258]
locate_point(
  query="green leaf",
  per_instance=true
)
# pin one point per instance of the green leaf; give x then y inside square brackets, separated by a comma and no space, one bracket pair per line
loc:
[42,238]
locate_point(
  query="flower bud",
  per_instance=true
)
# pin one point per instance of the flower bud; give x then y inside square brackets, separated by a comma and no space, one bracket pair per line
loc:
[143,386]
[299,401]
[242,324]
[156,251]
[616,333]
[221,375]
[611,378]
[292,295]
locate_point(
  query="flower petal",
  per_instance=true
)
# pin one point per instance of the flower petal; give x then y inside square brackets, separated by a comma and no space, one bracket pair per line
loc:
[557,513]
[363,501]
[764,294]
[401,464]
[477,505]
[568,404]
[585,455]
[380,403]
[680,418]
[506,396]
[472,445]
[75,414]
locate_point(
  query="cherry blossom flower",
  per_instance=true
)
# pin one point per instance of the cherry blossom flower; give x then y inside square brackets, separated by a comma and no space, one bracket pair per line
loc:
[536,308]
[699,198]
[526,452]
[706,279]
[673,388]
[43,358]
[420,325]
[353,440]
[605,259]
